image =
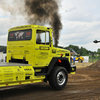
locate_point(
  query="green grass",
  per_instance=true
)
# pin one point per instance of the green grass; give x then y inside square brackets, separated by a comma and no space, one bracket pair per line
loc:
[93,60]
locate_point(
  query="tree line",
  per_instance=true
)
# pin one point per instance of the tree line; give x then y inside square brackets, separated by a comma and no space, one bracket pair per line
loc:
[82,51]
[3,49]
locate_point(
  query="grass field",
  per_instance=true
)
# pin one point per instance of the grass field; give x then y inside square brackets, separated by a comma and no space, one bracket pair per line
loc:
[93,60]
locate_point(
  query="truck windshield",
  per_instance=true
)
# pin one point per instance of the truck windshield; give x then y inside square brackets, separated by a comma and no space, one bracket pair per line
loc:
[20,35]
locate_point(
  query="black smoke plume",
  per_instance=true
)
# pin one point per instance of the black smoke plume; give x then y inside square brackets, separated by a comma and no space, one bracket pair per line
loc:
[42,12]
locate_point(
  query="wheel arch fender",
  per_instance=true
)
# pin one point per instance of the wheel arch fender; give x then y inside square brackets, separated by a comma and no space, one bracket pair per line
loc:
[59,61]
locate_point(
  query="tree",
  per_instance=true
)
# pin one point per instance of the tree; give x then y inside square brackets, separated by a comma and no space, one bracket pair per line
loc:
[98,51]
[3,49]
[82,51]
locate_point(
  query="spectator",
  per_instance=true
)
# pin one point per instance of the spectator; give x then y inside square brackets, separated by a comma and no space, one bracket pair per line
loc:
[70,60]
[74,60]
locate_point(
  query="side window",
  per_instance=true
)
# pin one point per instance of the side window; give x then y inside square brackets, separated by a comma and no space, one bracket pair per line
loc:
[42,37]
[47,37]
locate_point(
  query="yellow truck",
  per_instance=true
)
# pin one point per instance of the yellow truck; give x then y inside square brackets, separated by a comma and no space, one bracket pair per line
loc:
[31,58]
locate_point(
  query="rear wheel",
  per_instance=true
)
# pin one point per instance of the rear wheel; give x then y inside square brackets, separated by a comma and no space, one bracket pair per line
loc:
[58,78]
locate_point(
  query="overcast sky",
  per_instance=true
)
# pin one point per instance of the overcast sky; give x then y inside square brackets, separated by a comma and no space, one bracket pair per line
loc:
[80,19]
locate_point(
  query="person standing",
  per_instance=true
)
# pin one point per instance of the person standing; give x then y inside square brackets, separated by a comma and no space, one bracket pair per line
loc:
[70,60]
[74,60]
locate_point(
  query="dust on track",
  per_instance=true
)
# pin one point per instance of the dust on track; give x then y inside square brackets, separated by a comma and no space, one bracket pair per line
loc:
[84,85]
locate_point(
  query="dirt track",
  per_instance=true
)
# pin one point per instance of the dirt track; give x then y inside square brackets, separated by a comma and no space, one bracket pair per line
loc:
[84,85]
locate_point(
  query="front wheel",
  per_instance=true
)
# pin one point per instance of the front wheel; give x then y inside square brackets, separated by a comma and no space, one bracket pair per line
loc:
[58,78]
[80,61]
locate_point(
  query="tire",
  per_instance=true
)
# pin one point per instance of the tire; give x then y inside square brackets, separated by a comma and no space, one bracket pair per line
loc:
[80,61]
[58,78]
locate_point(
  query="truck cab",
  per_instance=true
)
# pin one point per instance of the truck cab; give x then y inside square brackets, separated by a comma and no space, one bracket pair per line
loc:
[33,45]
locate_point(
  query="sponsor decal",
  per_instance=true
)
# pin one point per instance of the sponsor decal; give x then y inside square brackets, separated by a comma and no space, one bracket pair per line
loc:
[53,51]
[11,35]
[43,48]
[28,33]
[43,53]
[28,69]
[29,74]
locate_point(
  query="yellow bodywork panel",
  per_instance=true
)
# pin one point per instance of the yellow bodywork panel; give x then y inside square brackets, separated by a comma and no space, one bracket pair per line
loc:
[18,75]
[72,72]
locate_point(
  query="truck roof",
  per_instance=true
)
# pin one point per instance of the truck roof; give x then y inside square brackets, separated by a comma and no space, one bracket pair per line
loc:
[28,26]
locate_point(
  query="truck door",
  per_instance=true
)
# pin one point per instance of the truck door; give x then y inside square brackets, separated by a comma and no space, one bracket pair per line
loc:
[42,48]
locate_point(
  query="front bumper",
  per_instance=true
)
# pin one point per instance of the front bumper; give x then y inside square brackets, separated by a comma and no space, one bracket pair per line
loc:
[73,69]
